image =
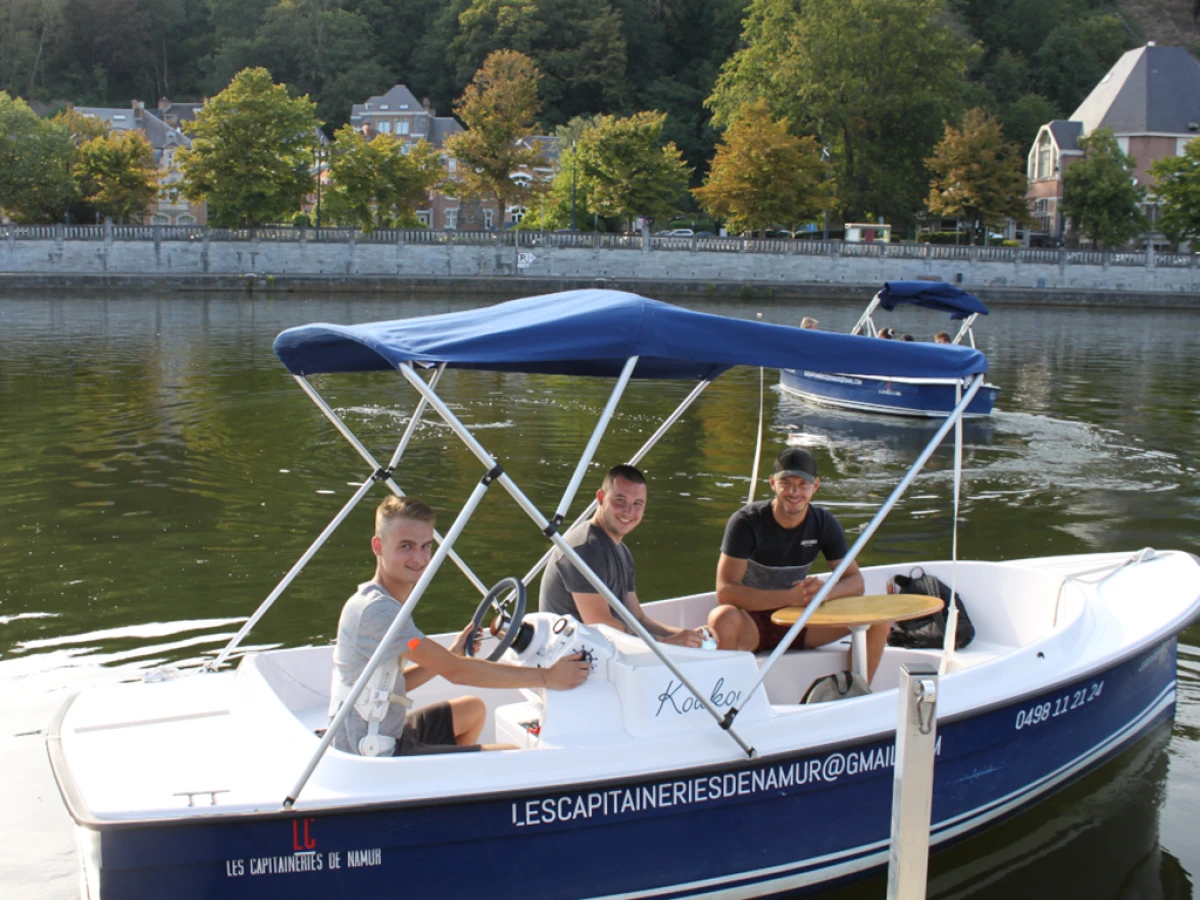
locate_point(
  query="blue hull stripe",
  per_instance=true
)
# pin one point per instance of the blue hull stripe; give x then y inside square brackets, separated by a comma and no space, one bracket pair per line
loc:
[867,856]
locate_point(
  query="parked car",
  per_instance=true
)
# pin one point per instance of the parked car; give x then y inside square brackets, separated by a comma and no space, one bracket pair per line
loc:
[675,232]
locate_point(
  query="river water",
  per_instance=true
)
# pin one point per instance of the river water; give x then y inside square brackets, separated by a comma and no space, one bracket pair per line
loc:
[160,472]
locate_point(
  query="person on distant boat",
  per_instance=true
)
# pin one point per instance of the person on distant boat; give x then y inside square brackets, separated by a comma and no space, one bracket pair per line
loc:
[402,545]
[941,338]
[887,333]
[768,549]
[808,322]
[600,543]
[907,337]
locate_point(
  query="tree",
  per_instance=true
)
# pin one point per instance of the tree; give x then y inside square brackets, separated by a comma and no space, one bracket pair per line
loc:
[977,175]
[763,175]
[1100,197]
[373,183]
[117,174]
[626,171]
[252,152]
[577,46]
[35,164]
[1075,56]
[498,108]
[1177,188]
[873,80]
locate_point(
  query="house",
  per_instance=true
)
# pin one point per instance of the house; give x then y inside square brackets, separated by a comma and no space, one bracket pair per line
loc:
[1150,99]
[399,114]
[162,129]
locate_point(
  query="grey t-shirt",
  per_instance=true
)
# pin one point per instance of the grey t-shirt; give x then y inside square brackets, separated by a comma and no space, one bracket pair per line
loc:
[611,561]
[365,619]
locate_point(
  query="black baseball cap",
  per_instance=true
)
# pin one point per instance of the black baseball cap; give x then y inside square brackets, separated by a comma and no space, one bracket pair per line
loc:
[795,461]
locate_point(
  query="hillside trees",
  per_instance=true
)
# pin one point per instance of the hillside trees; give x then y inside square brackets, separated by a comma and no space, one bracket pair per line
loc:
[763,175]
[977,175]
[627,171]
[1177,187]
[117,175]
[35,164]
[1100,197]
[373,183]
[498,108]
[873,80]
[252,152]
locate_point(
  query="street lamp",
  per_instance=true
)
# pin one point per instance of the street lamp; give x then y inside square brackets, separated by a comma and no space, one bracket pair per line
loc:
[574,170]
[317,152]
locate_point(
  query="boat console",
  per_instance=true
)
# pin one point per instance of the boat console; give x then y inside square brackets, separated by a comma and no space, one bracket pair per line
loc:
[629,690]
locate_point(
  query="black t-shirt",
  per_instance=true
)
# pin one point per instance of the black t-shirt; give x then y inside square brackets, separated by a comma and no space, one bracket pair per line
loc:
[778,557]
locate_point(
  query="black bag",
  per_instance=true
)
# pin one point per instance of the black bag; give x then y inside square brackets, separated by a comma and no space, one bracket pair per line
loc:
[928,632]
[838,686]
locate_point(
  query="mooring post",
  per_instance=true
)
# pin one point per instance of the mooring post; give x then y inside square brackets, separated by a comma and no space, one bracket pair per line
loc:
[912,787]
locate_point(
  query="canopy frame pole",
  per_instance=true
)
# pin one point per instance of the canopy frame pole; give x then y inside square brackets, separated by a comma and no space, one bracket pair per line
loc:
[633,461]
[880,515]
[965,330]
[950,638]
[402,619]
[551,532]
[292,573]
[374,463]
[597,433]
[865,319]
[316,545]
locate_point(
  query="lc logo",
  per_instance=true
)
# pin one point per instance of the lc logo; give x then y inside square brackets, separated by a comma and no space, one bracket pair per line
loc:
[302,838]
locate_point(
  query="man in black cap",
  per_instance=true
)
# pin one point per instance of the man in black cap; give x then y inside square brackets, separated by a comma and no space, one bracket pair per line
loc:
[768,549]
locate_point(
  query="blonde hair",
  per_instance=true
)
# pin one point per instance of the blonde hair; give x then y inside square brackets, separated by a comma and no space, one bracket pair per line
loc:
[393,508]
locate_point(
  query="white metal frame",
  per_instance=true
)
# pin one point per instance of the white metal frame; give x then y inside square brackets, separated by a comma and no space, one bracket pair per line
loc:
[550,527]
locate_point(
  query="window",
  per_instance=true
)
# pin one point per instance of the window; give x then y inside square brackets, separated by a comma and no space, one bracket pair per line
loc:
[160,220]
[404,148]
[382,106]
[385,126]
[186,220]
[419,125]
[452,164]
[423,218]
[487,218]
[452,218]
[516,214]
[1045,156]
[402,126]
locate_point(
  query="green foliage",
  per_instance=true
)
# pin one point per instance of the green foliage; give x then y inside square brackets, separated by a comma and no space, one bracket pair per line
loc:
[252,152]
[498,109]
[1075,56]
[977,175]
[873,80]
[1177,188]
[1099,197]
[1025,117]
[763,175]
[626,171]
[374,184]
[35,164]
[117,175]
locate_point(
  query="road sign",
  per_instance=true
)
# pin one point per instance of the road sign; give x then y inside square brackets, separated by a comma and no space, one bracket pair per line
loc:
[525,259]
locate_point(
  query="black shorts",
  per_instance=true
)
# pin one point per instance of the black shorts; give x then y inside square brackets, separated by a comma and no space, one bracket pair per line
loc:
[770,634]
[430,729]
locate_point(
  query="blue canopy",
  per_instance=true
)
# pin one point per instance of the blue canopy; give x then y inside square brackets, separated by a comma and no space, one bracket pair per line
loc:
[936,295]
[594,332]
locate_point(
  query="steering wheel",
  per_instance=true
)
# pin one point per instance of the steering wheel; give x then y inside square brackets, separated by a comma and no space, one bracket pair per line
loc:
[509,613]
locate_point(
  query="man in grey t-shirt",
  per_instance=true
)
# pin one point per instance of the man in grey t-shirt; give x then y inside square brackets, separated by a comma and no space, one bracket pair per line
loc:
[402,545]
[600,543]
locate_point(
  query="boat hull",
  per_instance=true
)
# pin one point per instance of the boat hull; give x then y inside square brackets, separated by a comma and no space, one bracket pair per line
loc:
[877,395]
[756,828]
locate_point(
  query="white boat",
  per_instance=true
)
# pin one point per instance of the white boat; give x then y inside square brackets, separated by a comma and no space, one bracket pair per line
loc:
[671,772]
[899,392]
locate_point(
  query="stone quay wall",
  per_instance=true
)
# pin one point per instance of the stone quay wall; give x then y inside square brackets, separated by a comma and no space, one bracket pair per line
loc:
[289,258]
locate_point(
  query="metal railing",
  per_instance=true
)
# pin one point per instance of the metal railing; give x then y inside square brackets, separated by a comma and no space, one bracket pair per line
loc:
[600,241]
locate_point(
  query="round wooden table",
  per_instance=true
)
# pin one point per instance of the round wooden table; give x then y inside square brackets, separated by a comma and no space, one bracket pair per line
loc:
[858,614]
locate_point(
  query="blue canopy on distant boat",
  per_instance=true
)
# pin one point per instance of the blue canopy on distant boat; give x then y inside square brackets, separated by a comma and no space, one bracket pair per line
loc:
[936,295]
[594,332]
